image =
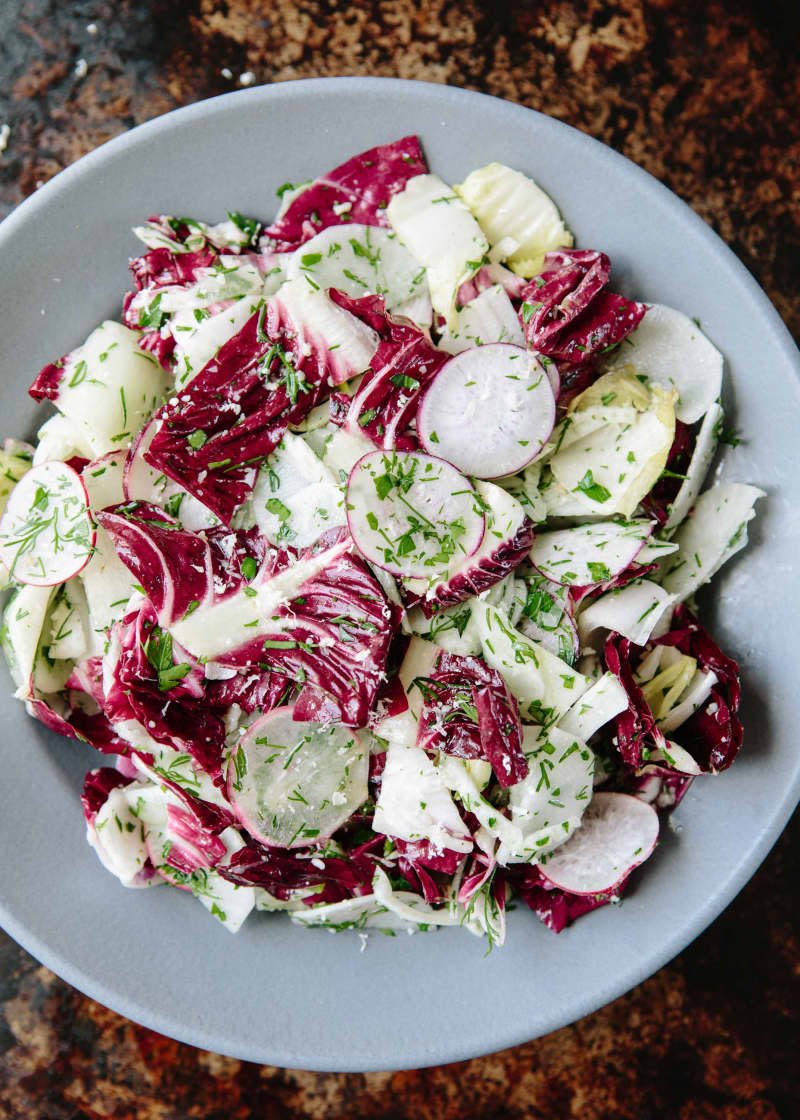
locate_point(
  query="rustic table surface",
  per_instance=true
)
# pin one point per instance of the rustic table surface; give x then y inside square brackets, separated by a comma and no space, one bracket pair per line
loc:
[707,98]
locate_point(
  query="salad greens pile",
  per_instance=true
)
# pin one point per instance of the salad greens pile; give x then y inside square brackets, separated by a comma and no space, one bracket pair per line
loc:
[365,547]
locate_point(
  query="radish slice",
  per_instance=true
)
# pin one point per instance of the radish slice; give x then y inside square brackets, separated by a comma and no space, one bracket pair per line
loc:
[618,832]
[505,544]
[670,350]
[47,534]
[293,783]
[589,554]
[411,513]
[489,410]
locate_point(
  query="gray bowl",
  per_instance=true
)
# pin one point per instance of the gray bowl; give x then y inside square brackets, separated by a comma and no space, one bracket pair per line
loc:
[289,997]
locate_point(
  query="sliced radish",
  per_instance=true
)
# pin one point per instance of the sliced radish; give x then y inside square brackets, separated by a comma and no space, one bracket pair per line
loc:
[293,783]
[489,410]
[140,482]
[618,832]
[47,534]
[589,554]
[411,513]
[670,350]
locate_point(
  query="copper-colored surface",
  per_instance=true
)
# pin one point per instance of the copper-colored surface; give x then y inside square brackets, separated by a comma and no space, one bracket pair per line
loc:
[706,97]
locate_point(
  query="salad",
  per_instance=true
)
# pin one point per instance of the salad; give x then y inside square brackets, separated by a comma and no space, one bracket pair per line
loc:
[364,546]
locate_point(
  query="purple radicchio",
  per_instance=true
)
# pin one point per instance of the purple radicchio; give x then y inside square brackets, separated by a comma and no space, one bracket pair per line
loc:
[657,503]
[555,907]
[77,712]
[151,272]
[713,734]
[570,317]
[332,637]
[97,785]
[401,368]
[181,571]
[357,191]
[152,680]
[328,878]
[468,711]
[212,438]
[506,543]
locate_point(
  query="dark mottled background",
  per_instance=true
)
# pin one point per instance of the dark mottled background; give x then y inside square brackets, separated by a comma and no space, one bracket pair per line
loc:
[706,97]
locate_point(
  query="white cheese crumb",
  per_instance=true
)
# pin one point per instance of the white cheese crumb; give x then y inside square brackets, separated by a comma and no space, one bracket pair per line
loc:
[226,73]
[341,207]
[247,78]
[91,28]
[81,68]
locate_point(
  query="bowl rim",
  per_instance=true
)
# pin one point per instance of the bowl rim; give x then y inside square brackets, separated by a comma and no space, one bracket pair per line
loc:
[687,930]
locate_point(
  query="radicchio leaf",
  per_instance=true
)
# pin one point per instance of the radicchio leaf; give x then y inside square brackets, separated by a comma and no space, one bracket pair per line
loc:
[558,908]
[182,571]
[635,728]
[357,191]
[663,494]
[170,702]
[283,873]
[97,785]
[713,735]
[401,369]
[569,315]
[337,642]
[468,712]
[212,438]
